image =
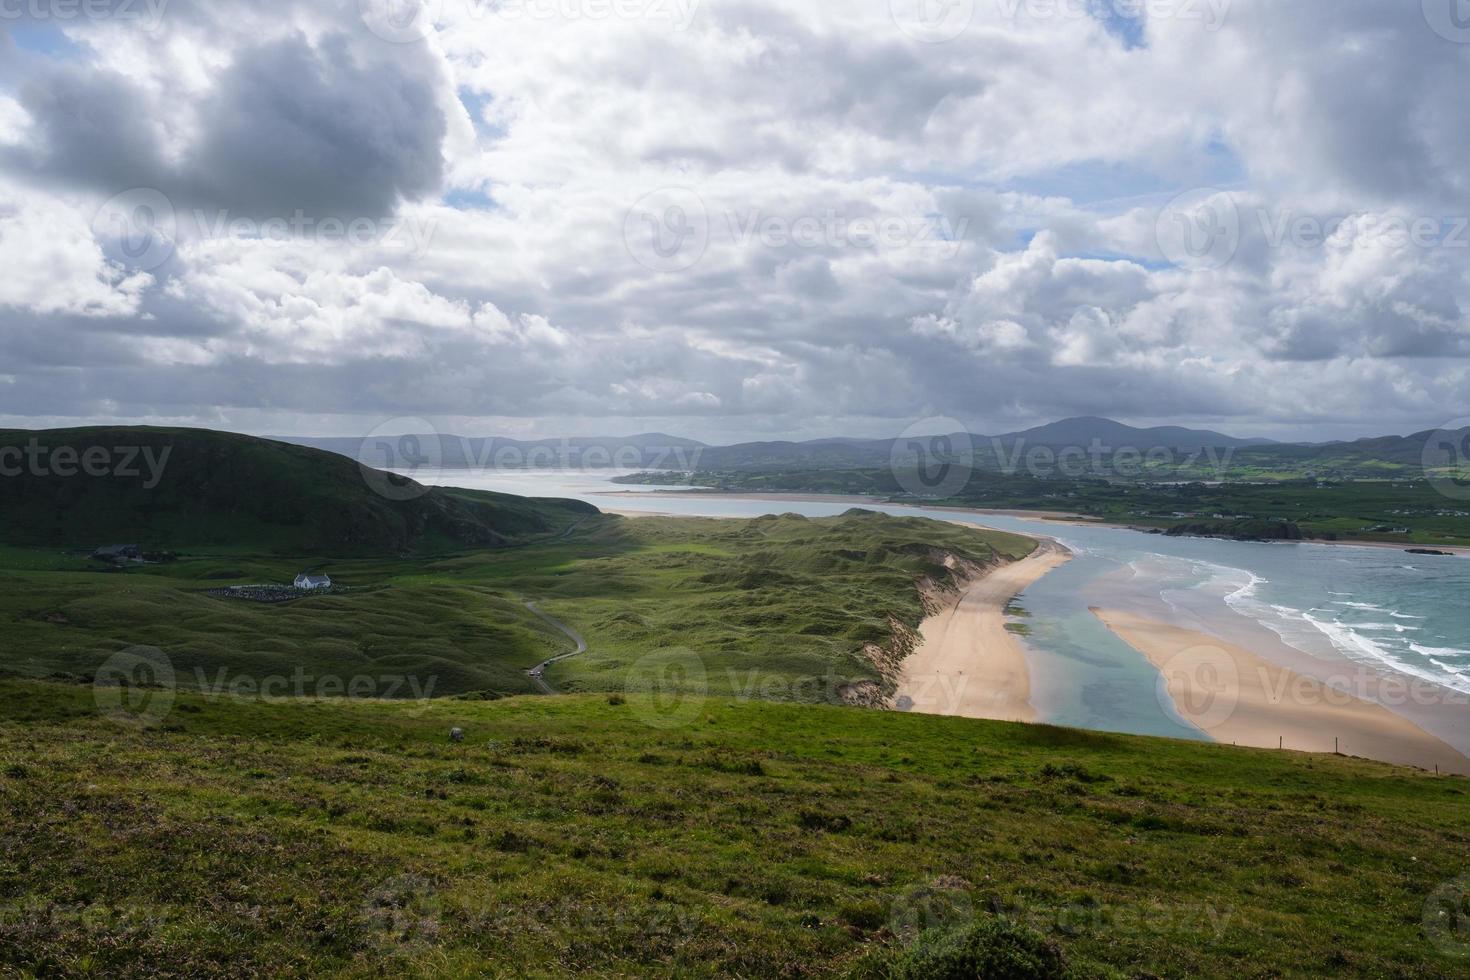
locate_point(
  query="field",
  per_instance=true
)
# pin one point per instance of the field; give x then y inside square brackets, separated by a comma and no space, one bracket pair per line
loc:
[1364,510]
[195,785]
[788,602]
[617,836]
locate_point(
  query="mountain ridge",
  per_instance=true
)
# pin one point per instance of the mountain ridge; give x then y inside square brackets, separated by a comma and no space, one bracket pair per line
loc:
[663,451]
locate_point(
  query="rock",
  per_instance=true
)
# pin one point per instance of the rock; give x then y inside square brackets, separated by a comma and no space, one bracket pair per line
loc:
[1248,529]
[456,734]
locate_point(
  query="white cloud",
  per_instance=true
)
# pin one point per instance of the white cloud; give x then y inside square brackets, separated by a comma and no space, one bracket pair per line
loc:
[52,265]
[1019,171]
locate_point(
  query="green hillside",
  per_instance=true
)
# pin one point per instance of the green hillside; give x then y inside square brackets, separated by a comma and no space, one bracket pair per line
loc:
[790,597]
[587,834]
[173,489]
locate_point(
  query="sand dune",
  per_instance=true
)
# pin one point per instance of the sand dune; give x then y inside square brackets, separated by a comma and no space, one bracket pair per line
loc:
[1235,696]
[968,665]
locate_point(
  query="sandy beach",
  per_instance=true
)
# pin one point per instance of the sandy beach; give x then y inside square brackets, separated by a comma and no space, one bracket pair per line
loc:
[967,664]
[1236,697]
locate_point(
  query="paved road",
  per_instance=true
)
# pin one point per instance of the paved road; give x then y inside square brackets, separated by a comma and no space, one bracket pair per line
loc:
[538,672]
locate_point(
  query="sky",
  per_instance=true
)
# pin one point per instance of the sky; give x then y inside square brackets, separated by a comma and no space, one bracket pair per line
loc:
[735,219]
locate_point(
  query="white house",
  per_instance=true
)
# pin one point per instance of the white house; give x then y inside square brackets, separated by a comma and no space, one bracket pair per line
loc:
[308,582]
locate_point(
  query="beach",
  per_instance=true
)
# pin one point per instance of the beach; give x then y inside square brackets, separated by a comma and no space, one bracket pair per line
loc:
[967,664]
[1236,697]
[1374,615]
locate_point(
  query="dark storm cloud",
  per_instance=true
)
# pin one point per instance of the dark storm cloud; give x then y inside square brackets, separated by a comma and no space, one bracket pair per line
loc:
[289,126]
[290,123]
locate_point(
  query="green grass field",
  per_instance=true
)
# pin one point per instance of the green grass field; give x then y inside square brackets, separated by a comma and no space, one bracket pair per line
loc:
[339,837]
[179,798]
[789,602]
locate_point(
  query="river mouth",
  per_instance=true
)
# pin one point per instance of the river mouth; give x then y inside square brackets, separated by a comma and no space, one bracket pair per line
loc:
[1350,616]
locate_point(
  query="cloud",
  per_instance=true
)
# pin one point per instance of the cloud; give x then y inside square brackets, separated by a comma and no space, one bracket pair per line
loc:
[53,266]
[879,229]
[325,127]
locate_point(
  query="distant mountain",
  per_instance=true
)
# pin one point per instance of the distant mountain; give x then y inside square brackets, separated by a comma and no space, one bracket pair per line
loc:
[1083,431]
[417,451]
[166,489]
[1389,456]
[818,453]
[1403,451]
[868,453]
[659,451]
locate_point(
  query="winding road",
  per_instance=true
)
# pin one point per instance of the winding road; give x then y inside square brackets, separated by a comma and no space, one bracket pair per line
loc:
[538,672]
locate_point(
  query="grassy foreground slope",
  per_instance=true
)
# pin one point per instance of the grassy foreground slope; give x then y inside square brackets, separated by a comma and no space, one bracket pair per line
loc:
[312,838]
[179,489]
[792,599]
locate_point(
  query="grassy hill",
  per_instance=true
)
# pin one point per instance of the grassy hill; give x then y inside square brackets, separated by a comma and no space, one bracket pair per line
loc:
[315,838]
[171,489]
[792,598]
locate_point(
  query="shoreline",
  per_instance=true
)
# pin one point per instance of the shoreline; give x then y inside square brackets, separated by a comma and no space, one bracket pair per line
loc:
[967,664]
[1236,696]
[998,684]
[1052,516]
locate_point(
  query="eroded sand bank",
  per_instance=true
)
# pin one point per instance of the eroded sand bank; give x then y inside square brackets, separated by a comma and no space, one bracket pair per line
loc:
[967,664]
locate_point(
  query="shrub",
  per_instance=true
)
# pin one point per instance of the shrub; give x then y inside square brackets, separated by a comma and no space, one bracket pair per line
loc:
[992,949]
[868,914]
[832,823]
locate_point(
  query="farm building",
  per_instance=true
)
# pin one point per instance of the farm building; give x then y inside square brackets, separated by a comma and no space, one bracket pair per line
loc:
[118,552]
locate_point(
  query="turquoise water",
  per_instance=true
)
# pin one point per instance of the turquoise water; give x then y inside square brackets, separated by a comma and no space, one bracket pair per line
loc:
[1380,609]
